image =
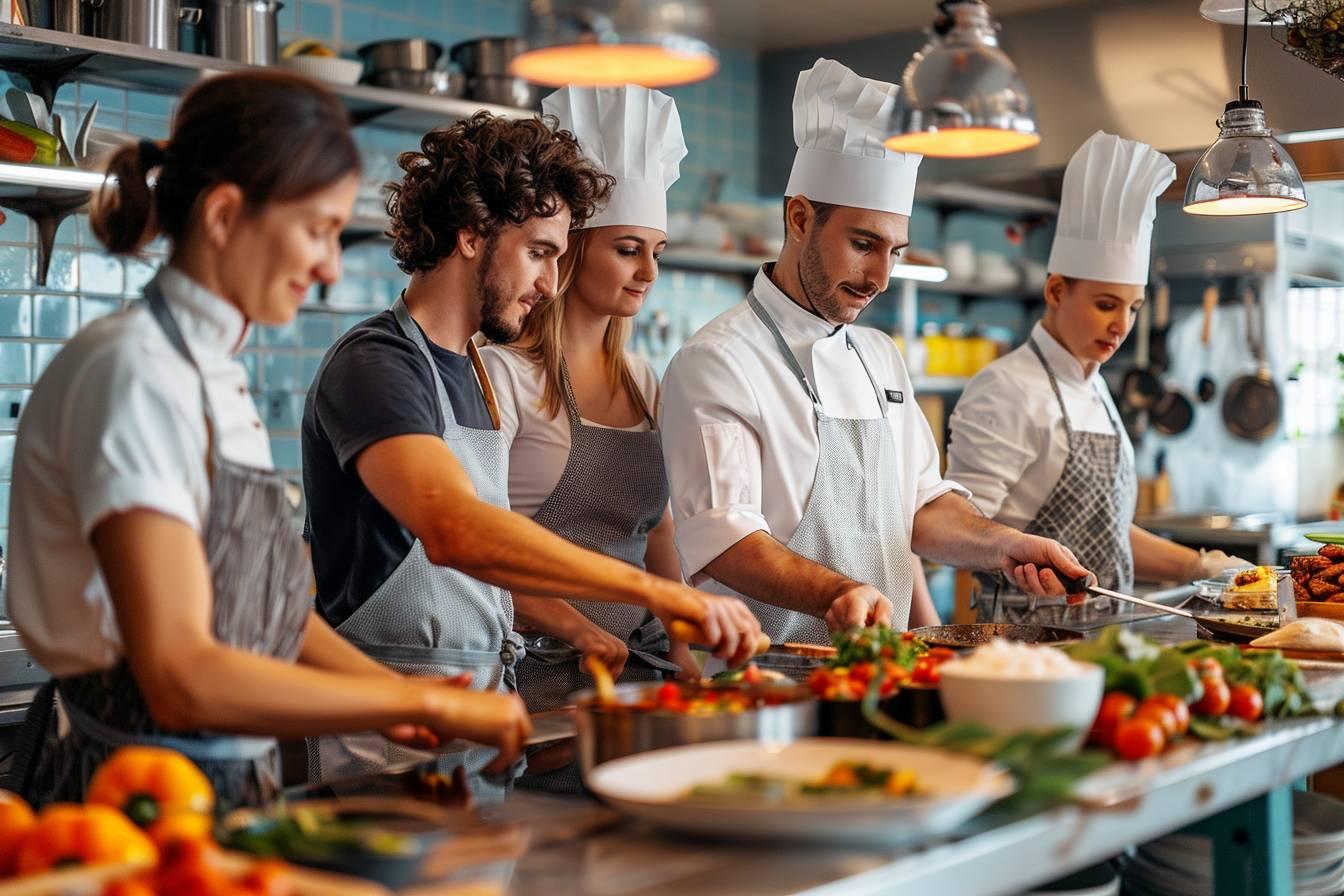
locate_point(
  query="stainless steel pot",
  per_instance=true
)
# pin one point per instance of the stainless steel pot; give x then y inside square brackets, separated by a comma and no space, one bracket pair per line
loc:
[408,54]
[504,91]
[435,81]
[607,733]
[486,56]
[149,23]
[245,30]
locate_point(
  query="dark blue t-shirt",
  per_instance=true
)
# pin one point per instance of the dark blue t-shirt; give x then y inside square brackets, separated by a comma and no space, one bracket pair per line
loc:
[376,385]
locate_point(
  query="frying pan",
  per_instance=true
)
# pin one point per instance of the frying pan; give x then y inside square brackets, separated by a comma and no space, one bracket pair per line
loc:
[1208,388]
[1140,388]
[1173,412]
[975,635]
[1252,404]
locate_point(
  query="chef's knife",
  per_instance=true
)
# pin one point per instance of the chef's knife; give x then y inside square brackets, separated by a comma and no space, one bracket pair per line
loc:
[1217,626]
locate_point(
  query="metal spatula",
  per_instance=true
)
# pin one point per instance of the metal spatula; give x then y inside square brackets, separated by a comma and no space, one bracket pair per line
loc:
[1216,626]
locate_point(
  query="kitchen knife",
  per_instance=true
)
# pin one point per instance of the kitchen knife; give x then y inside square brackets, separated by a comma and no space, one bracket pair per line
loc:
[1217,626]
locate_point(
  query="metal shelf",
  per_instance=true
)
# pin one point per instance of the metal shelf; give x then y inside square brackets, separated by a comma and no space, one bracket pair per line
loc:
[46,194]
[47,58]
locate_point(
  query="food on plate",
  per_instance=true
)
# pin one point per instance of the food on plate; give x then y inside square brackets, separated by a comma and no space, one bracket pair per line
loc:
[307,46]
[1319,576]
[1254,588]
[1312,633]
[844,778]
[877,653]
[706,698]
[1009,659]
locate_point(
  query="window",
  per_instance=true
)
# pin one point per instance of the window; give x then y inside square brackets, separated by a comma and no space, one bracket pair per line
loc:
[1314,403]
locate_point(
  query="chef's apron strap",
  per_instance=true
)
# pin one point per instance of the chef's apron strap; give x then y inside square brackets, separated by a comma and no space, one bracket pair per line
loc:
[221,748]
[878,391]
[510,652]
[412,331]
[571,403]
[784,349]
[651,644]
[1054,385]
[436,656]
[158,306]
[32,738]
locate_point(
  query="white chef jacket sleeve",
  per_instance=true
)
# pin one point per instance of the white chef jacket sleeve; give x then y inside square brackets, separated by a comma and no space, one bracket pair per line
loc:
[128,443]
[711,445]
[992,440]
[503,373]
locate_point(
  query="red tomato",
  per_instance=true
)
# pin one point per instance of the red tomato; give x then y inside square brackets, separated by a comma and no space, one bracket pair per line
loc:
[907,636]
[1159,713]
[863,671]
[1215,700]
[752,674]
[940,655]
[1245,702]
[926,671]
[1139,738]
[1208,667]
[1115,708]
[1178,707]
[668,692]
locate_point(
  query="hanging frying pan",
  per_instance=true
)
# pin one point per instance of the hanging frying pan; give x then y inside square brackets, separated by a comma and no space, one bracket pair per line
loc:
[1252,404]
[1173,412]
[1140,387]
[1207,388]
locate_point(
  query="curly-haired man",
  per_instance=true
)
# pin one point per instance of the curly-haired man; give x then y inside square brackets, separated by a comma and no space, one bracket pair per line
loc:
[405,470]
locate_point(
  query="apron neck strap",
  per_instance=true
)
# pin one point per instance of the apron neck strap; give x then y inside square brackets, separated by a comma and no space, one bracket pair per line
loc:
[1054,385]
[413,333]
[158,307]
[572,403]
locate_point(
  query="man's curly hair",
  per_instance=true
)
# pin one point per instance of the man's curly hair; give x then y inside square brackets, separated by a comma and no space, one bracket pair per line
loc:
[485,173]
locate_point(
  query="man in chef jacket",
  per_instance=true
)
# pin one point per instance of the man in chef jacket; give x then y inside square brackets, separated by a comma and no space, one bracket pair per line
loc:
[802,471]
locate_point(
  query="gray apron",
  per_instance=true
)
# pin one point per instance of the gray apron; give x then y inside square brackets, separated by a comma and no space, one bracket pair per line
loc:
[430,620]
[854,521]
[259,576]
[1089,511]
[611,495]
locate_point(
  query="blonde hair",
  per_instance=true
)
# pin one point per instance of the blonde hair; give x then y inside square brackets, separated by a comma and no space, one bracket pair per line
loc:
[540,339]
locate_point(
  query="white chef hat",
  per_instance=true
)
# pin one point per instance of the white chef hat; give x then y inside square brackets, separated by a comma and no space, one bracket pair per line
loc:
[839,122]
[1106,212]
[634,134]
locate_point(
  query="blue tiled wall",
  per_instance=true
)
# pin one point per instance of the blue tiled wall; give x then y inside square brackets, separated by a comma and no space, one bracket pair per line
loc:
[719,117]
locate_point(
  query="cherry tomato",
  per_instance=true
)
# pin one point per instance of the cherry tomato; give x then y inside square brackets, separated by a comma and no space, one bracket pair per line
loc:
[668,692]
[1162,715]
[1215,700]
[752,674]
[926,671]
[1138,738]
[940,655]
[907,636]
[1208,667]
[1115,708]
[1246,703]
[1178,707]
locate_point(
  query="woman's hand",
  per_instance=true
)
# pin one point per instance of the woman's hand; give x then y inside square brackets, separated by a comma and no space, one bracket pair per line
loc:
[420,737]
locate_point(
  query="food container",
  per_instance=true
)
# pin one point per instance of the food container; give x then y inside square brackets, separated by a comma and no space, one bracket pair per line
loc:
[486,56]
[406,54]
[504,91]
[435,81]
[149,23]
[331,69]
[916,705]
[244,30]
[635,725]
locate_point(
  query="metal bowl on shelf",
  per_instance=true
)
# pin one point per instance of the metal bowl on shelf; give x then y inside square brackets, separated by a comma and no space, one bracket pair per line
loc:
[504,91]
[633,724]
[405,54]
[435,81]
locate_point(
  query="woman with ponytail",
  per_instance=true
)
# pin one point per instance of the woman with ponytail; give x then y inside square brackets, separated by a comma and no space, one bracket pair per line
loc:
[155,569]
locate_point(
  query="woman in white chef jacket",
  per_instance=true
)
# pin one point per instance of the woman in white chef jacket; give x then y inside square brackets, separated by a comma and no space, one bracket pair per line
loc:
[1036,436]
[157,573]
[578,409]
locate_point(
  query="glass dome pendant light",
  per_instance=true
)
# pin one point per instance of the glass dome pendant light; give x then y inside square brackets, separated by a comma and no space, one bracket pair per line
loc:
[961,96]
[1246,171]
[601,43]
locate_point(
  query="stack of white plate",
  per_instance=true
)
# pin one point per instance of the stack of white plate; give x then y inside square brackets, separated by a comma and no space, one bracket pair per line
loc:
[1182,865]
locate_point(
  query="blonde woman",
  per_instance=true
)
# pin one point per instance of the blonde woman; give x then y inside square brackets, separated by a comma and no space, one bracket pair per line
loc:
[579,411]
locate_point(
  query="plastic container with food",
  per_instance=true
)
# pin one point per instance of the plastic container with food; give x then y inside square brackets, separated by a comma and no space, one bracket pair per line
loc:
[1256,588]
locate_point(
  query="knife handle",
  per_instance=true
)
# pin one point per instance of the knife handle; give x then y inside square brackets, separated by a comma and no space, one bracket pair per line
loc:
[690,633]
[1071,585]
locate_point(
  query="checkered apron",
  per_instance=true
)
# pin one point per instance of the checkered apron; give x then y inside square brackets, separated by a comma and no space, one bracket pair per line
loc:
[1089,511]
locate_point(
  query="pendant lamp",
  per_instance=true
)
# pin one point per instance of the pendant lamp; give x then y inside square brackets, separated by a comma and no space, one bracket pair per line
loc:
[961,96]
[601,43]
[1246,171]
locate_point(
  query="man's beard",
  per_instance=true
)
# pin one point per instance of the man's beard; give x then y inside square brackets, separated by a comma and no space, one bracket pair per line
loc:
[821,292]
[494,302]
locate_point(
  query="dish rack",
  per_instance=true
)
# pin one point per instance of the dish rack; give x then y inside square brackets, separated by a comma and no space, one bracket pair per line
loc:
[1311,30]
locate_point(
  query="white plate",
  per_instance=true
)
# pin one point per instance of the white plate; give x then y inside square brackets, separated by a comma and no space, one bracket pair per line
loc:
[651,785]
[332,69]
[1231,12]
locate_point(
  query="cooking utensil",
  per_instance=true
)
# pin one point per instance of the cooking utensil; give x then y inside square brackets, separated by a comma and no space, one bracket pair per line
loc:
[1172,413]
[245,30]
[486,56]
[1140,388]
[1252,404]
[504,91]
[149,23]
[622,728]
[957,636]
[434,81]
[691,634]
[27,108]
[1161,324]
[1231,630]
[1207,388]
[62,148]
[406,54]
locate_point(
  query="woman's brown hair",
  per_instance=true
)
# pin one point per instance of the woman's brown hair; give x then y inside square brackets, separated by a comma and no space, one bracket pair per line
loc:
[543,328]
[483,174]
[275,135]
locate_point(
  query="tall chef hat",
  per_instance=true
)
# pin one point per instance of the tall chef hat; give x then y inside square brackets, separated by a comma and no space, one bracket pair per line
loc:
[1106,213]
[839,123]
[634,134]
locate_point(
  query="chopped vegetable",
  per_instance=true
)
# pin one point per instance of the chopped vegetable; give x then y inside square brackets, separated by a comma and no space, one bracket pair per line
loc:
[846,778]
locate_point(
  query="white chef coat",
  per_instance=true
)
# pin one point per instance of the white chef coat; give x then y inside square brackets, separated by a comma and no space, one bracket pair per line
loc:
[740,434]
[1008,444]
[116,423]
[538,443]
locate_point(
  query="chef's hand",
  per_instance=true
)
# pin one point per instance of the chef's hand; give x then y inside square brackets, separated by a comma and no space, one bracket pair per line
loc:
[488,718]
[1210,563]
[419,737]
[1030,562]
[597,642]
[680,653]
[858,605]
[731,631]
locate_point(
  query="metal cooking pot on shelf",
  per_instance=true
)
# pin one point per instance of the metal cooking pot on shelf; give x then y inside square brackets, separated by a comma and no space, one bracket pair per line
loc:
[149,23]
[244,30]
[404,54]
[610,732]
[485,62]
[504,91]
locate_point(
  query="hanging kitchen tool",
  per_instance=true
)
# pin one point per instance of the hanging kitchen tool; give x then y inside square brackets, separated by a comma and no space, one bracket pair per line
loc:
[1207,387]
[1252,404]
[1173,412]
[1157,350]
[1139,387]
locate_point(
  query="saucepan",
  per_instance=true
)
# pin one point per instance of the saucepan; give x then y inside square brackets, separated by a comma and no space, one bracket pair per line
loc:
[958,636]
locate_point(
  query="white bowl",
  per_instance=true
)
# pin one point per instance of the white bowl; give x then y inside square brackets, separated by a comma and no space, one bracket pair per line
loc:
[331,69]
[1010,705]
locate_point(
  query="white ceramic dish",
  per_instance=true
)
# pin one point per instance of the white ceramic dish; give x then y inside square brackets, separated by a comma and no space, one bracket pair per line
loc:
[331,69]
[651,786]
[1011,705]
